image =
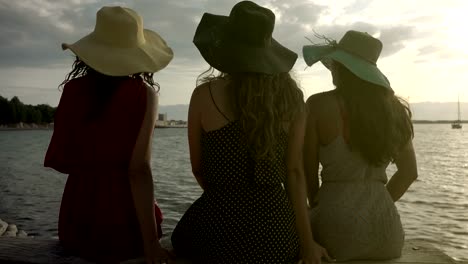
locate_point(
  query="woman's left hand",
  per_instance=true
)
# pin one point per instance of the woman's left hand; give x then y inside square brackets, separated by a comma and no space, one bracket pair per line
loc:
[314,255]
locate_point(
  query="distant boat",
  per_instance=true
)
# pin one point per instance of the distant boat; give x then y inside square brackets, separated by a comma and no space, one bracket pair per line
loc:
[457,124]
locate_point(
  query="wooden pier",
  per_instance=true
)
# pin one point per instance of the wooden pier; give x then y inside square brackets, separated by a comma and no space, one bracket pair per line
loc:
[41,251]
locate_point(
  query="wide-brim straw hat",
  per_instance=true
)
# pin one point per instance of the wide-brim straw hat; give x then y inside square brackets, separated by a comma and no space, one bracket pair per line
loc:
[357,51]
[242,41]
[120,46]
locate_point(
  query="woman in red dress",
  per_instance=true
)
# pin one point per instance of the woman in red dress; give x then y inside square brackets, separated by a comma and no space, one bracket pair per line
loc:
[102,139]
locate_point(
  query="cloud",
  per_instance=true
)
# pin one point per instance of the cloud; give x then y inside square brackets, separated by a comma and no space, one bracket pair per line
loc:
[392,37]
[395,38]
[428,50]
[31,31]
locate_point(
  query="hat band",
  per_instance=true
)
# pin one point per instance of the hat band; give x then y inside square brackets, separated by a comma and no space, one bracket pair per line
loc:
[355,54]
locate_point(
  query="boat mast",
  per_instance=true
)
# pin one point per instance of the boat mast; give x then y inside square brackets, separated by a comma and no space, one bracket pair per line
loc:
[459,117]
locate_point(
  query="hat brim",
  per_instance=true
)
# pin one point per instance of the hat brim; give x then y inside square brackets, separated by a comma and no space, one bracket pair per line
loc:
[229,55]
[151,56]
[359,67]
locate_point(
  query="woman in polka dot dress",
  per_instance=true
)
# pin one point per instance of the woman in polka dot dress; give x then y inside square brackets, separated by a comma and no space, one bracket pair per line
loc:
[246,129]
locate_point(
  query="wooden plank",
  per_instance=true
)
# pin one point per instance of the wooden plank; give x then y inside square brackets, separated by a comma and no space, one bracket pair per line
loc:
[34,250]
[41,251]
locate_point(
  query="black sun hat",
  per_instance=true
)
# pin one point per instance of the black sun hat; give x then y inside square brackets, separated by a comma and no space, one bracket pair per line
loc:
[242,41]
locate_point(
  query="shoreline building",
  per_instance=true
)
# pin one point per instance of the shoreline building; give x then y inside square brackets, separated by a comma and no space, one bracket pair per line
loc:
[163,122]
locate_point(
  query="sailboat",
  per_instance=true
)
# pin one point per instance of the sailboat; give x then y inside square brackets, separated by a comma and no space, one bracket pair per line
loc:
[457,124]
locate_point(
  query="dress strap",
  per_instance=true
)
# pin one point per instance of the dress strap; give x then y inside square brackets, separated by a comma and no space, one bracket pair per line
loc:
[344,121]
[212,99]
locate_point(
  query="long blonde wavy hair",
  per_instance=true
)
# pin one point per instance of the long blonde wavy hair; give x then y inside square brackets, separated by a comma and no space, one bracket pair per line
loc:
[262,104]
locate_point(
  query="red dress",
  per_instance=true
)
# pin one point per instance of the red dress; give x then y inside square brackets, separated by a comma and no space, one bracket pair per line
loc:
[93,141]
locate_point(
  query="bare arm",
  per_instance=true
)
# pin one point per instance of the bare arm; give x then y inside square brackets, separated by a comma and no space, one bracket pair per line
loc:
[406,174]
[311,161]
[311,251]
[141,181]
[194,128]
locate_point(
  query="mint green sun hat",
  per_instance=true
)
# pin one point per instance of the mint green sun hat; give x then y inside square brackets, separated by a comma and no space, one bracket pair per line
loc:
[357,51]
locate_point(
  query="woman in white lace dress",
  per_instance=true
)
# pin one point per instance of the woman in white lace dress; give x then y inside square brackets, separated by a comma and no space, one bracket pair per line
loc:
[354,132]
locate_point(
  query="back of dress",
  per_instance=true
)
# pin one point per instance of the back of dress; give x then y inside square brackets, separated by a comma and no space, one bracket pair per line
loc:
[225,153]
[96,129]
[244,214]
[355,217]
[94,135]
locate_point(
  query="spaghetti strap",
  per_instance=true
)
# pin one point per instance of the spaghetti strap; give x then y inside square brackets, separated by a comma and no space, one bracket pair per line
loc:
[344,121]
[212,99]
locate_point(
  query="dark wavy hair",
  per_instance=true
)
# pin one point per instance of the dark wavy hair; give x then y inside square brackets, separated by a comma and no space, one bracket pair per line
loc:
[105,85]
[79,69]
[379,121]
[262,103]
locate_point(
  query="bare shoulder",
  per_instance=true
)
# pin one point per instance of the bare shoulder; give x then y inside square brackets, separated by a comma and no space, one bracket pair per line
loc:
[202,92]
[320,101]
[150,90]
[201,88]
[198,97]
[151,95]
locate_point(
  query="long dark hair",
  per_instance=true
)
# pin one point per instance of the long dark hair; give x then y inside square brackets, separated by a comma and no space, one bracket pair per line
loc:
[79,69]
[262,103]
[105,85]
[379,121]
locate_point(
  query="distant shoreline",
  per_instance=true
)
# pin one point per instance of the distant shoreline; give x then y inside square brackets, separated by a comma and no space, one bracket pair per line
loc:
[159,127]
[23,127]
[437,121]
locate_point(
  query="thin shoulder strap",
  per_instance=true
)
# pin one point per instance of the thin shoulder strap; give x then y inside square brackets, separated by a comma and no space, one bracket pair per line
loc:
[212,99]
[344,120]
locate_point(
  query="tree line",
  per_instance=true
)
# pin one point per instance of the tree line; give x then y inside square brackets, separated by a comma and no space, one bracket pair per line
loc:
[14,111]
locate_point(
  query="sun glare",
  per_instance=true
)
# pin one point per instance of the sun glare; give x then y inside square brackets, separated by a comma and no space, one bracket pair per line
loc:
[455,22]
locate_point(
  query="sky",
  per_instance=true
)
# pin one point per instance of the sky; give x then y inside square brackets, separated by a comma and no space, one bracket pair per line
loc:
[425,52]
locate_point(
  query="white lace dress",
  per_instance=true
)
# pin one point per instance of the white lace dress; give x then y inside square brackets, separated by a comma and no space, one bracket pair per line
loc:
[355,217]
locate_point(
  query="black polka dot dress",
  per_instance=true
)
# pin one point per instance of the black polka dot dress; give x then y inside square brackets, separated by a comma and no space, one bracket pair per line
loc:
[244,215]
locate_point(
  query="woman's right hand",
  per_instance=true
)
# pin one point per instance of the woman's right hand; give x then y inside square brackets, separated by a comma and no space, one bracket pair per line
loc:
[315,254]
[156,254]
